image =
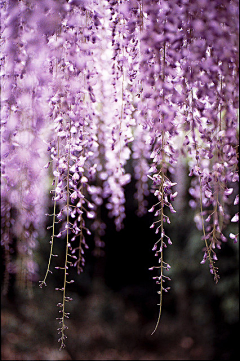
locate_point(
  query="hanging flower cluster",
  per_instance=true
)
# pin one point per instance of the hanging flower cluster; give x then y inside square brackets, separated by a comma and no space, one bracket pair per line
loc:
[23,189]
[88,84]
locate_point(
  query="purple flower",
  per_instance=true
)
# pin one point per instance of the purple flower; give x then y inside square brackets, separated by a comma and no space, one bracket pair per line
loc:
[106,85]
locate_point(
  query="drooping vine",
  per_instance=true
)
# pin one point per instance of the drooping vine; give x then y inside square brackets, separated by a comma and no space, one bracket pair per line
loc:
[89,85]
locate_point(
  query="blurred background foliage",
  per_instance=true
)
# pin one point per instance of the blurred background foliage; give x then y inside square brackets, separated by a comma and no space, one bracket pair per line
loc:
[114,307]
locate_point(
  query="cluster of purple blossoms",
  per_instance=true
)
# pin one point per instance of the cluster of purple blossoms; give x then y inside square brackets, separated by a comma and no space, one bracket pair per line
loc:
[86,86]
[23,189]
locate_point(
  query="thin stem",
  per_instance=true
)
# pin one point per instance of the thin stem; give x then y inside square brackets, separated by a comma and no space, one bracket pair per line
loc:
[53,232]
[67,246]
[208,248]
[161,189]
[81,235]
